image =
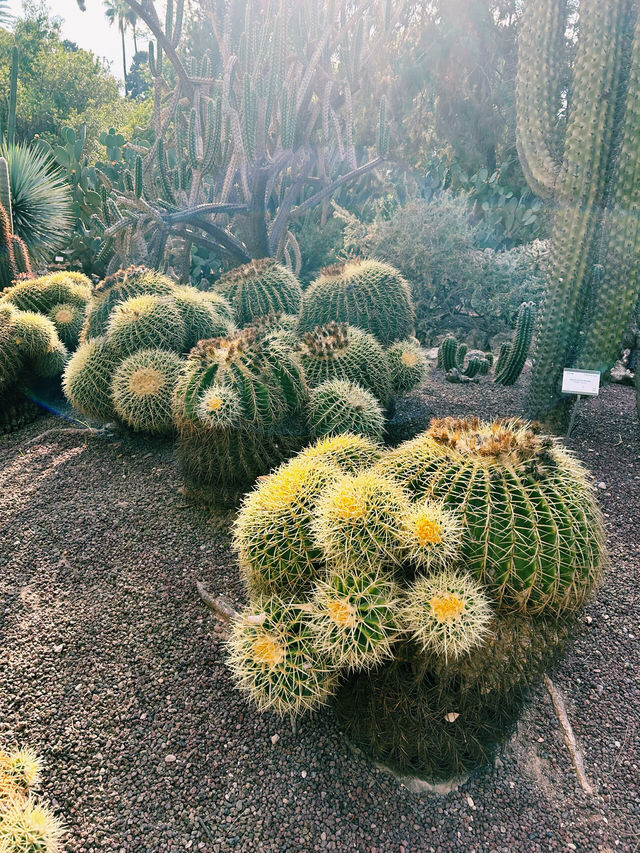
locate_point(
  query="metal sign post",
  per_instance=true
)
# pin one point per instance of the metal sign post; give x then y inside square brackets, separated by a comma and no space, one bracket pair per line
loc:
[582,383]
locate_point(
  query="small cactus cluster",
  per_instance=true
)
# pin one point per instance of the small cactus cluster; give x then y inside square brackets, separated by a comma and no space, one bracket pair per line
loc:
[26,824]
[460,366]
[137,327]
[425,588]
[368,294]
[62,297]
[14,255]
[29,348]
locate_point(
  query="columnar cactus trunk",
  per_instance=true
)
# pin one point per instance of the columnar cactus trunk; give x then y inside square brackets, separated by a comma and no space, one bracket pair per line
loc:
[592,180]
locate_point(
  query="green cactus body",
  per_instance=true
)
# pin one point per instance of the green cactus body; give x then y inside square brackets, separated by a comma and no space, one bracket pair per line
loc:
[87,379]
[221,305]
[52,362]
[41,294]
[354,617]
[533,530]
[338,351]
[200,317]
[349,453]
[146,322]
[408,364]
[268,387]
[513,356]
[21,256]
[370,295]
[142,390]
[122,285]
[337,405]
[8,271]
[10,354]
[68,319]
[35,334]
[260,288]
[273,658]
[452,355]
[273,531]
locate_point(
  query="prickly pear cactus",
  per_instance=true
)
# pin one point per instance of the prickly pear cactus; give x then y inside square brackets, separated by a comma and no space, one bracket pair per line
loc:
[368,294]
[431,586]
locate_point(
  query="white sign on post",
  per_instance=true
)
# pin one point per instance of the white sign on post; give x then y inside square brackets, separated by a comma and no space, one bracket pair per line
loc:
[584,383]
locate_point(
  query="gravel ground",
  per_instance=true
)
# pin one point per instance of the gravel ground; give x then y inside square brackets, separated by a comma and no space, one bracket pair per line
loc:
[112,667]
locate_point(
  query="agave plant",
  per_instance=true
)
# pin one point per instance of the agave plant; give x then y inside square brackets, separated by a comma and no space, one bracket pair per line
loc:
[40,200]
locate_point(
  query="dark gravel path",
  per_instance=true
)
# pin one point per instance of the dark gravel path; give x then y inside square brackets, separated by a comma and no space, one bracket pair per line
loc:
[111,666]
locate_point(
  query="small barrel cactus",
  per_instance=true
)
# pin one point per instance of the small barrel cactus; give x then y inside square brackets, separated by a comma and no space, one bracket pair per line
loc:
[339,351]
[87,379]
[237,410]
[146,322]
[431,584]
[29,348]
[142,390]
[365,293]
[260,288]
[337,405]
[123,284]
[201,317]
[408,364]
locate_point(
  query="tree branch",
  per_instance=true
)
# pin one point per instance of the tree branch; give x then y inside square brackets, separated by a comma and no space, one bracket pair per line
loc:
[316,198]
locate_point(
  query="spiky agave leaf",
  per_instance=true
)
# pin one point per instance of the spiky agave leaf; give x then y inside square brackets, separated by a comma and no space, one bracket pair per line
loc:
[359,518]
[273,531]
[354,616]
[447,614]
[27,826]
[273,658]
[142,390]
[41,200]
[431,535]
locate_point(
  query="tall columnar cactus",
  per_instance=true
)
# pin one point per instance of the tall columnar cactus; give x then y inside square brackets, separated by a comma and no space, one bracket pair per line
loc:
[513,354]
[250,133]
[593,277]
[368,294]
[452,358]
[8,270]
[340,351]
[259,289]
[236,410]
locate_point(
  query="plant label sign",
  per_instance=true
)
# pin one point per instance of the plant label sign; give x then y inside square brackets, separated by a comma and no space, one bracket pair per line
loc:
[584,383]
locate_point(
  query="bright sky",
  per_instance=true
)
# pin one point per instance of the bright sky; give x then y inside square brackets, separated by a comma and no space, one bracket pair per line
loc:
[90,30]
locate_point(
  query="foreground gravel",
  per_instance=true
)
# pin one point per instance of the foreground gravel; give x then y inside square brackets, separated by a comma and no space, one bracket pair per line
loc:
[111,666]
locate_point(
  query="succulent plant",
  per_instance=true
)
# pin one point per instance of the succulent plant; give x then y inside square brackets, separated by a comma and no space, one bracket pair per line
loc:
[514,353]
[274,659]
[8,269]
[260,288]
[10,355]
[268,392]
[142,390]
[354,617]
[87,378]
[368,294]
[200,316]
[146,322]
[339,351]
[439,580]
[337,405]
[121,285]
[35,334]
[451,358]
[533,534]
[358,519]
[27,826]
[446,614]
[408,364]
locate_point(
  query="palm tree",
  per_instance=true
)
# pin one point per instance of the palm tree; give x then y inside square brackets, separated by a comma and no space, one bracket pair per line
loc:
[118,11]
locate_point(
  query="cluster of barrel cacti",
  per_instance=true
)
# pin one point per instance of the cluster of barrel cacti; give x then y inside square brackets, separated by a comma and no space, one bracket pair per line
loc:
[423,589]
[26,824]
[250,400]
[459,365]
[136,330]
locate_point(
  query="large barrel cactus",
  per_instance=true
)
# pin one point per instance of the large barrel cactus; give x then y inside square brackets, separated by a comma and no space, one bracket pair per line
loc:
[260,288]
[237,410]
[365,293]
[424,589]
